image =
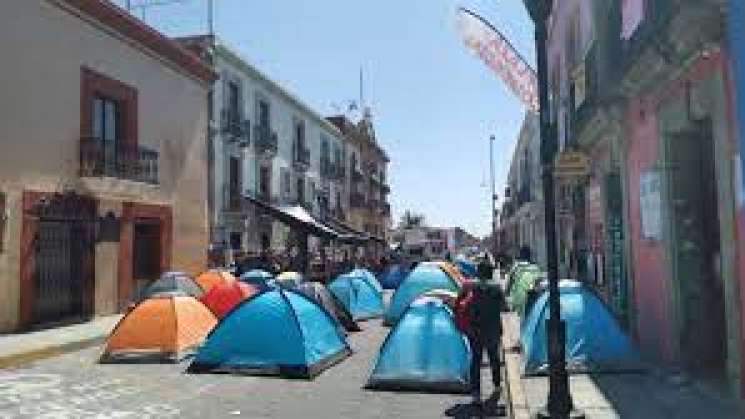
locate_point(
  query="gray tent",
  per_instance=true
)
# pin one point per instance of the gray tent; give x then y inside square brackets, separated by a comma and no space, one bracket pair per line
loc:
[323,297]
[173,283]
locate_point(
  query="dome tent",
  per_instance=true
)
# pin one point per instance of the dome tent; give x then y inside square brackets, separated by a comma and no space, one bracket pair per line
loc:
[258,277]
[221,299]
[526,280]
[289,279]
[159,329]
[467,267]
[425,277]
[213,277]
[358,296]
[425,351]
[177,283]
[594,340]
[392,276]
[369,277]
[322,296]
[277,332]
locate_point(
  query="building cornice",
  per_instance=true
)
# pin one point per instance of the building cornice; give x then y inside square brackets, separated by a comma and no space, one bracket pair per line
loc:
[113,17]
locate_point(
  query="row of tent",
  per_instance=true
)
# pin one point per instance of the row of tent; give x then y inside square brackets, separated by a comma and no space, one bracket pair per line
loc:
[595,341]
[284,326]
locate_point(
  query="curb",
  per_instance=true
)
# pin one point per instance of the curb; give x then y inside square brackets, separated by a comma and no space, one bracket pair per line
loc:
[48,351]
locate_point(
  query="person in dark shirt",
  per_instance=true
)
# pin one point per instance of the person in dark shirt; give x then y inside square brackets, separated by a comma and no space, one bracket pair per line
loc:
[478,314]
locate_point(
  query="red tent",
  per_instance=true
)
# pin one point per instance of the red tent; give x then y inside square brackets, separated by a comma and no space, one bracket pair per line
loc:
[222,298]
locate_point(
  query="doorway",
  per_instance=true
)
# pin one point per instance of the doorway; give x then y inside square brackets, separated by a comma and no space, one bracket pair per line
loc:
[696,251]
[146,253]
[65,259]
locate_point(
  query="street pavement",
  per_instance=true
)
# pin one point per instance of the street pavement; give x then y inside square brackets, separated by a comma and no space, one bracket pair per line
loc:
[74,385]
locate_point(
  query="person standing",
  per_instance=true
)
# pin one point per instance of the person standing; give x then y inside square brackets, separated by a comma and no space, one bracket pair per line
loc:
[478,315]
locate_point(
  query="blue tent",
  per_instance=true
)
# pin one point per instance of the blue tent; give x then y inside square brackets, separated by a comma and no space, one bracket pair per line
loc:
[594,340]
[258,277]
[467,268]
[277,332]
[425,277]
[392,277]
[424,352]
[358,296]
[369,277]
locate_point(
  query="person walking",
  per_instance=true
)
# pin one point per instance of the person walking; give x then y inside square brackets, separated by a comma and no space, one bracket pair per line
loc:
[478,315]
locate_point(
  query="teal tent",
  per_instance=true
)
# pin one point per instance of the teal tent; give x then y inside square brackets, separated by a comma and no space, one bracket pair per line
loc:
[278,332]
[358,296]
[425,277]
[369,277]
[392,276]
[467,267]
[594,340]
[424,352]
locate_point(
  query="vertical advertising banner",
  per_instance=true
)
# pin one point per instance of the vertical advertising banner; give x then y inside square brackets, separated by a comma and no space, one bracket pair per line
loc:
[500,56]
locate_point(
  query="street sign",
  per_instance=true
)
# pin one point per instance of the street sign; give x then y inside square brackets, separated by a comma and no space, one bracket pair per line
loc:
[571,164]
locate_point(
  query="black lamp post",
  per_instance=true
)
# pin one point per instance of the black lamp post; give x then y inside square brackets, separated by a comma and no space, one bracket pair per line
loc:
[559,403]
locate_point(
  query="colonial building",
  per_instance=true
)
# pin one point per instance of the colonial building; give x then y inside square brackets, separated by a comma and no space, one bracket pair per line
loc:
[269,145]
[521,219]
[641,88]
[103,180]
[368,185]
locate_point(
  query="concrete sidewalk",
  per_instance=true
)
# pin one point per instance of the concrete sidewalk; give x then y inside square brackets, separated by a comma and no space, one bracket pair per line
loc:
[646,395]
[21,348]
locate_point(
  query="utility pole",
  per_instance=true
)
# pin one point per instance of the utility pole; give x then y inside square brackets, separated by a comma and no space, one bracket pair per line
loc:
[559,404]
[493,197]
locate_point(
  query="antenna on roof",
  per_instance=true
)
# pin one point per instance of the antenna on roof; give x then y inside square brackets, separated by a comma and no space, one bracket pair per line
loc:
[211,17]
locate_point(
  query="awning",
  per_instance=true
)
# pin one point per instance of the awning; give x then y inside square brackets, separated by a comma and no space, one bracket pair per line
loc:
[348,234]
[295,216]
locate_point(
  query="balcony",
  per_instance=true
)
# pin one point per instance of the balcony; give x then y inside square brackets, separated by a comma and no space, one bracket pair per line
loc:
[357,200]
[357,175]
[385,210]
[300,157]
[385,188]
[265,140]
[672,32]
[328,169]
[236,129]
[110,159]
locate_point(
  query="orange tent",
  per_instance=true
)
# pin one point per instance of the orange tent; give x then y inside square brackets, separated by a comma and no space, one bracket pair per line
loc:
[452,271]
[166,328]
[213,277]
[222,298]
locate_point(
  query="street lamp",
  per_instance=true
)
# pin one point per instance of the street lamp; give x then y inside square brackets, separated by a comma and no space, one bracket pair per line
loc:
[559,404]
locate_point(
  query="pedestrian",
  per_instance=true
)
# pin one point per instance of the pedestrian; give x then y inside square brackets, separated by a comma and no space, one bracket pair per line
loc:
[478,314]
[485,269]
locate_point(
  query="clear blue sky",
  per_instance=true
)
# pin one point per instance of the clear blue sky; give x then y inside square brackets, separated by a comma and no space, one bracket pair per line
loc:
[435,103]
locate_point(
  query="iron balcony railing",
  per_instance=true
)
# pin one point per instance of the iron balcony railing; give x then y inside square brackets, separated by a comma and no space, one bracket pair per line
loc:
[266,140]
[300,156]
[385,209]
[100,158]
[357,175]
[327,167]
[236,128]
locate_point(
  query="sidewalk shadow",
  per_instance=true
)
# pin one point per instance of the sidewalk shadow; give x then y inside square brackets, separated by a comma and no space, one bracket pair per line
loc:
[661,398]
[470,410]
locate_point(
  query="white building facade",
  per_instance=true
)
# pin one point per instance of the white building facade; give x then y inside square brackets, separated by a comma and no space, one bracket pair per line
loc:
[268,145]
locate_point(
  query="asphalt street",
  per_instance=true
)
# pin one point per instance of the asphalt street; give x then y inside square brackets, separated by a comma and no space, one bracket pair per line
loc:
[76,386]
